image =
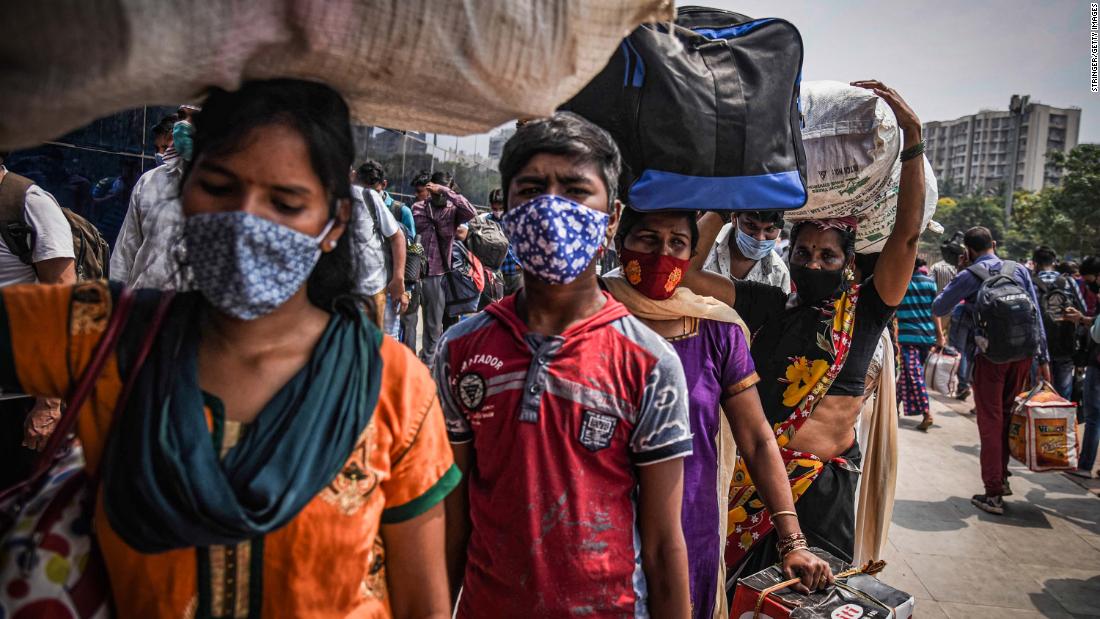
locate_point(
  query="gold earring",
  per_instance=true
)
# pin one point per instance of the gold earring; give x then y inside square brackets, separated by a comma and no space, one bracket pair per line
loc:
[849,274]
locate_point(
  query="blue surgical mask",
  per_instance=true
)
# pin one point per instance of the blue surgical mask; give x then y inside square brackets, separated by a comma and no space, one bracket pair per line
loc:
[247,266]
[752,248]
[159,158]
[554,239]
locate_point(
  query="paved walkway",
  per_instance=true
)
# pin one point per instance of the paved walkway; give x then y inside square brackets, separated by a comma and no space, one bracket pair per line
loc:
[1040,559]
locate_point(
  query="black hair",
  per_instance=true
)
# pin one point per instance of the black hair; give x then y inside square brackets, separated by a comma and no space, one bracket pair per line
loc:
[978,239]
[164,127]
[630,218]
[847,238]
[496,196]
[442,178]
[1068,267]
[951,252]
[1090,265]
[421,179]
[371,173]
[320,115]
[952,248]
[919,262]
[565,134]
[764,217]
[1044,256]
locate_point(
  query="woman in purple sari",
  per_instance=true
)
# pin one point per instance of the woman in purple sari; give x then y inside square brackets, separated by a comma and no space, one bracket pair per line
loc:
[655,250]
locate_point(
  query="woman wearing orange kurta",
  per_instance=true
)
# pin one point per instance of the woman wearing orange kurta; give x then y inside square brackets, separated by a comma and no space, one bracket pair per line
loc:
[277,456]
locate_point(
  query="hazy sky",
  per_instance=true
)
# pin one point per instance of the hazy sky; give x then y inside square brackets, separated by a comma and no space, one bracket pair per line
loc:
[947,58]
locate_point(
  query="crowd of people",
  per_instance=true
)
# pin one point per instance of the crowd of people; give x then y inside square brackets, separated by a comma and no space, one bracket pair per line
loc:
[613,413]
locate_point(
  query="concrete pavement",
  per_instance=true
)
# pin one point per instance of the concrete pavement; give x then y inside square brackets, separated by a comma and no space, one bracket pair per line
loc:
[1040,559]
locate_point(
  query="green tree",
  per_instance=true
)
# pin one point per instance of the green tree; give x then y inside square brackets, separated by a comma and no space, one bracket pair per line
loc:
[1074,219]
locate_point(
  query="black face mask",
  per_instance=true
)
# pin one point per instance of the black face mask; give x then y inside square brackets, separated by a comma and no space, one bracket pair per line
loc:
[1093,286]
[438,200]
[814,285]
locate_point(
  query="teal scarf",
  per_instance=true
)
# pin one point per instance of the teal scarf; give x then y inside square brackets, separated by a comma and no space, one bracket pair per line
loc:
[165,486]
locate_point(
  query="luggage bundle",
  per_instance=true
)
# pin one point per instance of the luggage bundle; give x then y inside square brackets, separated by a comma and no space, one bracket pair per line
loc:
[941,371]
[487,241]
[1043,430]
[853,147]
[496,60]
[705,112]
[463,284]
[856,593]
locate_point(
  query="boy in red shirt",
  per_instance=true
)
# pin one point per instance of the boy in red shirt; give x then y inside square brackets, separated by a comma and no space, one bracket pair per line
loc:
[567,415]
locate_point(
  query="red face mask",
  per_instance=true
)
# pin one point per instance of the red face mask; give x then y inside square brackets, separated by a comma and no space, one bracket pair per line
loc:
[654,275]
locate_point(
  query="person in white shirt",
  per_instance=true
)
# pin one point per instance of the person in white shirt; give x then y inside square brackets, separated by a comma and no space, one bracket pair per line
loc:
[382,269]
[745,249]
[146,252]
[52,261]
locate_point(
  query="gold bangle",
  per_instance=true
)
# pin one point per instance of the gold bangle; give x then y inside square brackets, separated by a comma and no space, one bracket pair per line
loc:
[784,514]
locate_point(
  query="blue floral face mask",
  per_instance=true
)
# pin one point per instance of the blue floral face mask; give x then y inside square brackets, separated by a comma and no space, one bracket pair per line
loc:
[246,266]
[554,238]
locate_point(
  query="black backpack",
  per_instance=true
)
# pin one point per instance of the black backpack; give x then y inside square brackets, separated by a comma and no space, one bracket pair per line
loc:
[459,288]
[706,115]
[486,240]
[91,252]
[1005,315]
[1054,299]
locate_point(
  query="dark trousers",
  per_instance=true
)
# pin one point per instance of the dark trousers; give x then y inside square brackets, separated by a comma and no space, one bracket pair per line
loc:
[433,302]
[826,514]
[996,386]
[16,460]
[1090,440]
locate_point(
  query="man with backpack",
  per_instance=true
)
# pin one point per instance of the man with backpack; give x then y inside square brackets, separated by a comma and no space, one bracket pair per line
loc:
[1008,335]
[1057,294]
[37,246]
[381,244]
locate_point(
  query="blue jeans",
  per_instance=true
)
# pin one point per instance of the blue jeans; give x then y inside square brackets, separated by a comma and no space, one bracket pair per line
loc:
[964,371]
[391,324]
[1061,373]
[1091,396]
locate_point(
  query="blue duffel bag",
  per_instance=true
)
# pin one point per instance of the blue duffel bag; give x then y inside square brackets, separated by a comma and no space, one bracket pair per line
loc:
[705,112]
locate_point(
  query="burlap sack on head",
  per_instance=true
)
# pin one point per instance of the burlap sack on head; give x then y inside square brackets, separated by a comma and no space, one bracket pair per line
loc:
[877,222]
[852,143]
[445,66]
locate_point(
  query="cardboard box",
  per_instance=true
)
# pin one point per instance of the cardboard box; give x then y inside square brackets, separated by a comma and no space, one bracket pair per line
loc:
[860,596]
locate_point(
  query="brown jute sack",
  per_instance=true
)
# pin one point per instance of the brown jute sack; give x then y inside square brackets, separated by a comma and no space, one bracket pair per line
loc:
[445,66]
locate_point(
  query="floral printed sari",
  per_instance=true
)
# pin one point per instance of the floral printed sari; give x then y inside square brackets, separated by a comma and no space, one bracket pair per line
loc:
[808,380]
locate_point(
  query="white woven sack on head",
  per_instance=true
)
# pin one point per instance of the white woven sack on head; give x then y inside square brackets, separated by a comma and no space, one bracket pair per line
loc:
[444,66]
[852,141]
[877,222]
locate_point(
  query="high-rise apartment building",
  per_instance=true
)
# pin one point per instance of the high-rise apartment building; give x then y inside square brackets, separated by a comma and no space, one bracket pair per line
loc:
[497,142]
[974,153]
